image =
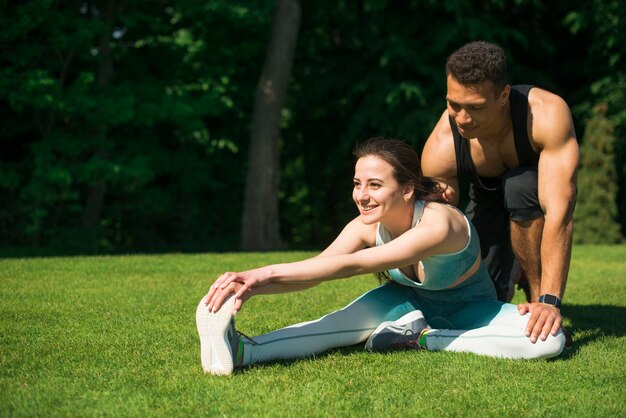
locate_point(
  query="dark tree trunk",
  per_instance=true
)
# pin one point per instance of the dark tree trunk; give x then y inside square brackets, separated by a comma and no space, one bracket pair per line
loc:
[97,190]
[260,225]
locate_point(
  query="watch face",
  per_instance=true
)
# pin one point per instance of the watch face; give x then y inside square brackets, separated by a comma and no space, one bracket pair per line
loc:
[550,300]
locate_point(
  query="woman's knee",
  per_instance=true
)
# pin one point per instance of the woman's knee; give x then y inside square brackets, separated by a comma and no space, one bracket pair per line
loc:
[541,349]
[551,347]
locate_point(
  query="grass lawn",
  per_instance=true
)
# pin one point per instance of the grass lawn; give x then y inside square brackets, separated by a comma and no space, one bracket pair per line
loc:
[116,336]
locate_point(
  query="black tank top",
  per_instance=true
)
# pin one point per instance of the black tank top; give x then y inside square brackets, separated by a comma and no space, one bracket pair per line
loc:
[518,99]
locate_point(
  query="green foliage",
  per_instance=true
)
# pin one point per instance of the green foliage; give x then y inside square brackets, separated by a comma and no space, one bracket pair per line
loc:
[96,336]
[125,125]
[596,212]
[377,69]
[154,121]
[602,24]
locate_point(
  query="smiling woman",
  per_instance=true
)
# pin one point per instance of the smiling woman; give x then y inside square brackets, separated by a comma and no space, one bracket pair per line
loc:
[386,175]
[431,255]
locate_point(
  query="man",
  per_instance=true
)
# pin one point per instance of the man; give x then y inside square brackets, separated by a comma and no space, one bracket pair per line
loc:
[517,148]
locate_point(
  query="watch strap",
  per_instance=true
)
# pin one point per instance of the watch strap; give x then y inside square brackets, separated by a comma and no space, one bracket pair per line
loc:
[550,300]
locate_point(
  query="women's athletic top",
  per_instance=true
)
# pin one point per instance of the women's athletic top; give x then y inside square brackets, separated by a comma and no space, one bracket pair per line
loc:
[441,270]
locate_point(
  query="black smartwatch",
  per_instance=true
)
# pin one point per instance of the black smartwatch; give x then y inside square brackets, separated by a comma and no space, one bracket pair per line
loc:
[550,300]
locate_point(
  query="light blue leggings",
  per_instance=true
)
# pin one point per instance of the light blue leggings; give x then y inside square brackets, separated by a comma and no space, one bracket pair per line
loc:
[467,318]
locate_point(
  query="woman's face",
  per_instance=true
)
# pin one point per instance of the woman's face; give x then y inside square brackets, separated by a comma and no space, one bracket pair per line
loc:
[376,192]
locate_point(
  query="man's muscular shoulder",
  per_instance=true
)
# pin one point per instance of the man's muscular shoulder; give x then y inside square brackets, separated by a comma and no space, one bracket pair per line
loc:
[438,155]
[550,119]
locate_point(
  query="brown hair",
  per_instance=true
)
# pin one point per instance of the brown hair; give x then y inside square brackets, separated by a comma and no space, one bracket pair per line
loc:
[477,62]
[406,165]
[406,170]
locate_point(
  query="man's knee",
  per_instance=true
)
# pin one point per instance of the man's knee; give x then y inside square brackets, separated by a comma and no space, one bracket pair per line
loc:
[520,194]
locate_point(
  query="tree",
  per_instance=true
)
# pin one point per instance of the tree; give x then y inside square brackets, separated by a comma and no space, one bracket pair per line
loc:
[260,224]
[596,211]
[126,126]
[601,24]
[92,213]
[122,121]
[376,68]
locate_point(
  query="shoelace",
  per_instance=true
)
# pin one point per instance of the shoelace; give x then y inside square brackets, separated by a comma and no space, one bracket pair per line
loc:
[241,334]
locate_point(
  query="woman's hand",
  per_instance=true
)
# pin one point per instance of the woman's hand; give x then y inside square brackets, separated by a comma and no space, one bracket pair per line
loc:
[241,284]
[218,295]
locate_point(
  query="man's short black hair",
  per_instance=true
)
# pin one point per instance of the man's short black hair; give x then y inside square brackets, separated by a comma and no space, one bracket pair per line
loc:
[477,62]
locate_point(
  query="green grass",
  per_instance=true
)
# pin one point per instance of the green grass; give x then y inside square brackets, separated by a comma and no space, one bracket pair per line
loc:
[94,336]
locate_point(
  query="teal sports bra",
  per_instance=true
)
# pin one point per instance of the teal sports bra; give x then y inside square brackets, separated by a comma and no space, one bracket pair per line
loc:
[440,270]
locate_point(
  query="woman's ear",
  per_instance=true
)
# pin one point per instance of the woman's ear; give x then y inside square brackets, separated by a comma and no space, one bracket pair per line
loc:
[408,192]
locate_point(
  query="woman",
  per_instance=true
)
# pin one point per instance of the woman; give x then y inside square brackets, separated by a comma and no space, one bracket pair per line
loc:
[438,295]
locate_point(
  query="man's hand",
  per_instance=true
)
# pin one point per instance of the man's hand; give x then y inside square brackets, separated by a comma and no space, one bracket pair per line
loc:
[544,319]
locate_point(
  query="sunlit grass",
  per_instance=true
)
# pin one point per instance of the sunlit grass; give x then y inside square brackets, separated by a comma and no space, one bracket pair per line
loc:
[92,336]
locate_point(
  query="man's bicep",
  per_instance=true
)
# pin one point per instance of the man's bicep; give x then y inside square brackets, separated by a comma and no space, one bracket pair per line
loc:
[559,158]
[558,168]
[439,159]
[445,177]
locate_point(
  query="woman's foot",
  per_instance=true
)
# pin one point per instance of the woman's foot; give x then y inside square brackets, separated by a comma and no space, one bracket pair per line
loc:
[221,349]
[403,332]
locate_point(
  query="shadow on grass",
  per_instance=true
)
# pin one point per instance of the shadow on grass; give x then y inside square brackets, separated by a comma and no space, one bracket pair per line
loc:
[602,320]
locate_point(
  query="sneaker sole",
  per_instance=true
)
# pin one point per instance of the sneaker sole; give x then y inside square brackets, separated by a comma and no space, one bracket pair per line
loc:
[410,317]
[215,353]
[202,322]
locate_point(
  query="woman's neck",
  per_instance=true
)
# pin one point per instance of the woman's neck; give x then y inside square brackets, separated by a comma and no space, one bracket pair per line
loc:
[401,223]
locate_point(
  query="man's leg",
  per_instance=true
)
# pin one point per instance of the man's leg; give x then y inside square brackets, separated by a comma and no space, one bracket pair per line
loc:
[522,201]
[487,212]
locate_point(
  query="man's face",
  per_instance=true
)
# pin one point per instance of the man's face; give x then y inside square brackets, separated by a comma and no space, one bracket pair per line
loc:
[475,108]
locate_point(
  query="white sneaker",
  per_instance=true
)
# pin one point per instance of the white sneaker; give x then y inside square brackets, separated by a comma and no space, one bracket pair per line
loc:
[403,332]
[219,341]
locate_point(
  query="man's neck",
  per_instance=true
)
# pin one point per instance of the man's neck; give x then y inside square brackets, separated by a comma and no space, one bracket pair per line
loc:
[500,129]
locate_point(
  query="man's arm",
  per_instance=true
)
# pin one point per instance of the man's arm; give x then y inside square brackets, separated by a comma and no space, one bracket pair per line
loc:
[439,159]
[553,131]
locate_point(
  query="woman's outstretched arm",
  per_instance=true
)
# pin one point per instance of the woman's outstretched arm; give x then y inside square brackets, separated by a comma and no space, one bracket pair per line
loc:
[434,235]
[355,236]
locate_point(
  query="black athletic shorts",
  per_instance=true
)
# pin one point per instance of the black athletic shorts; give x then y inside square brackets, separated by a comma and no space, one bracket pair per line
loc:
[491,213]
